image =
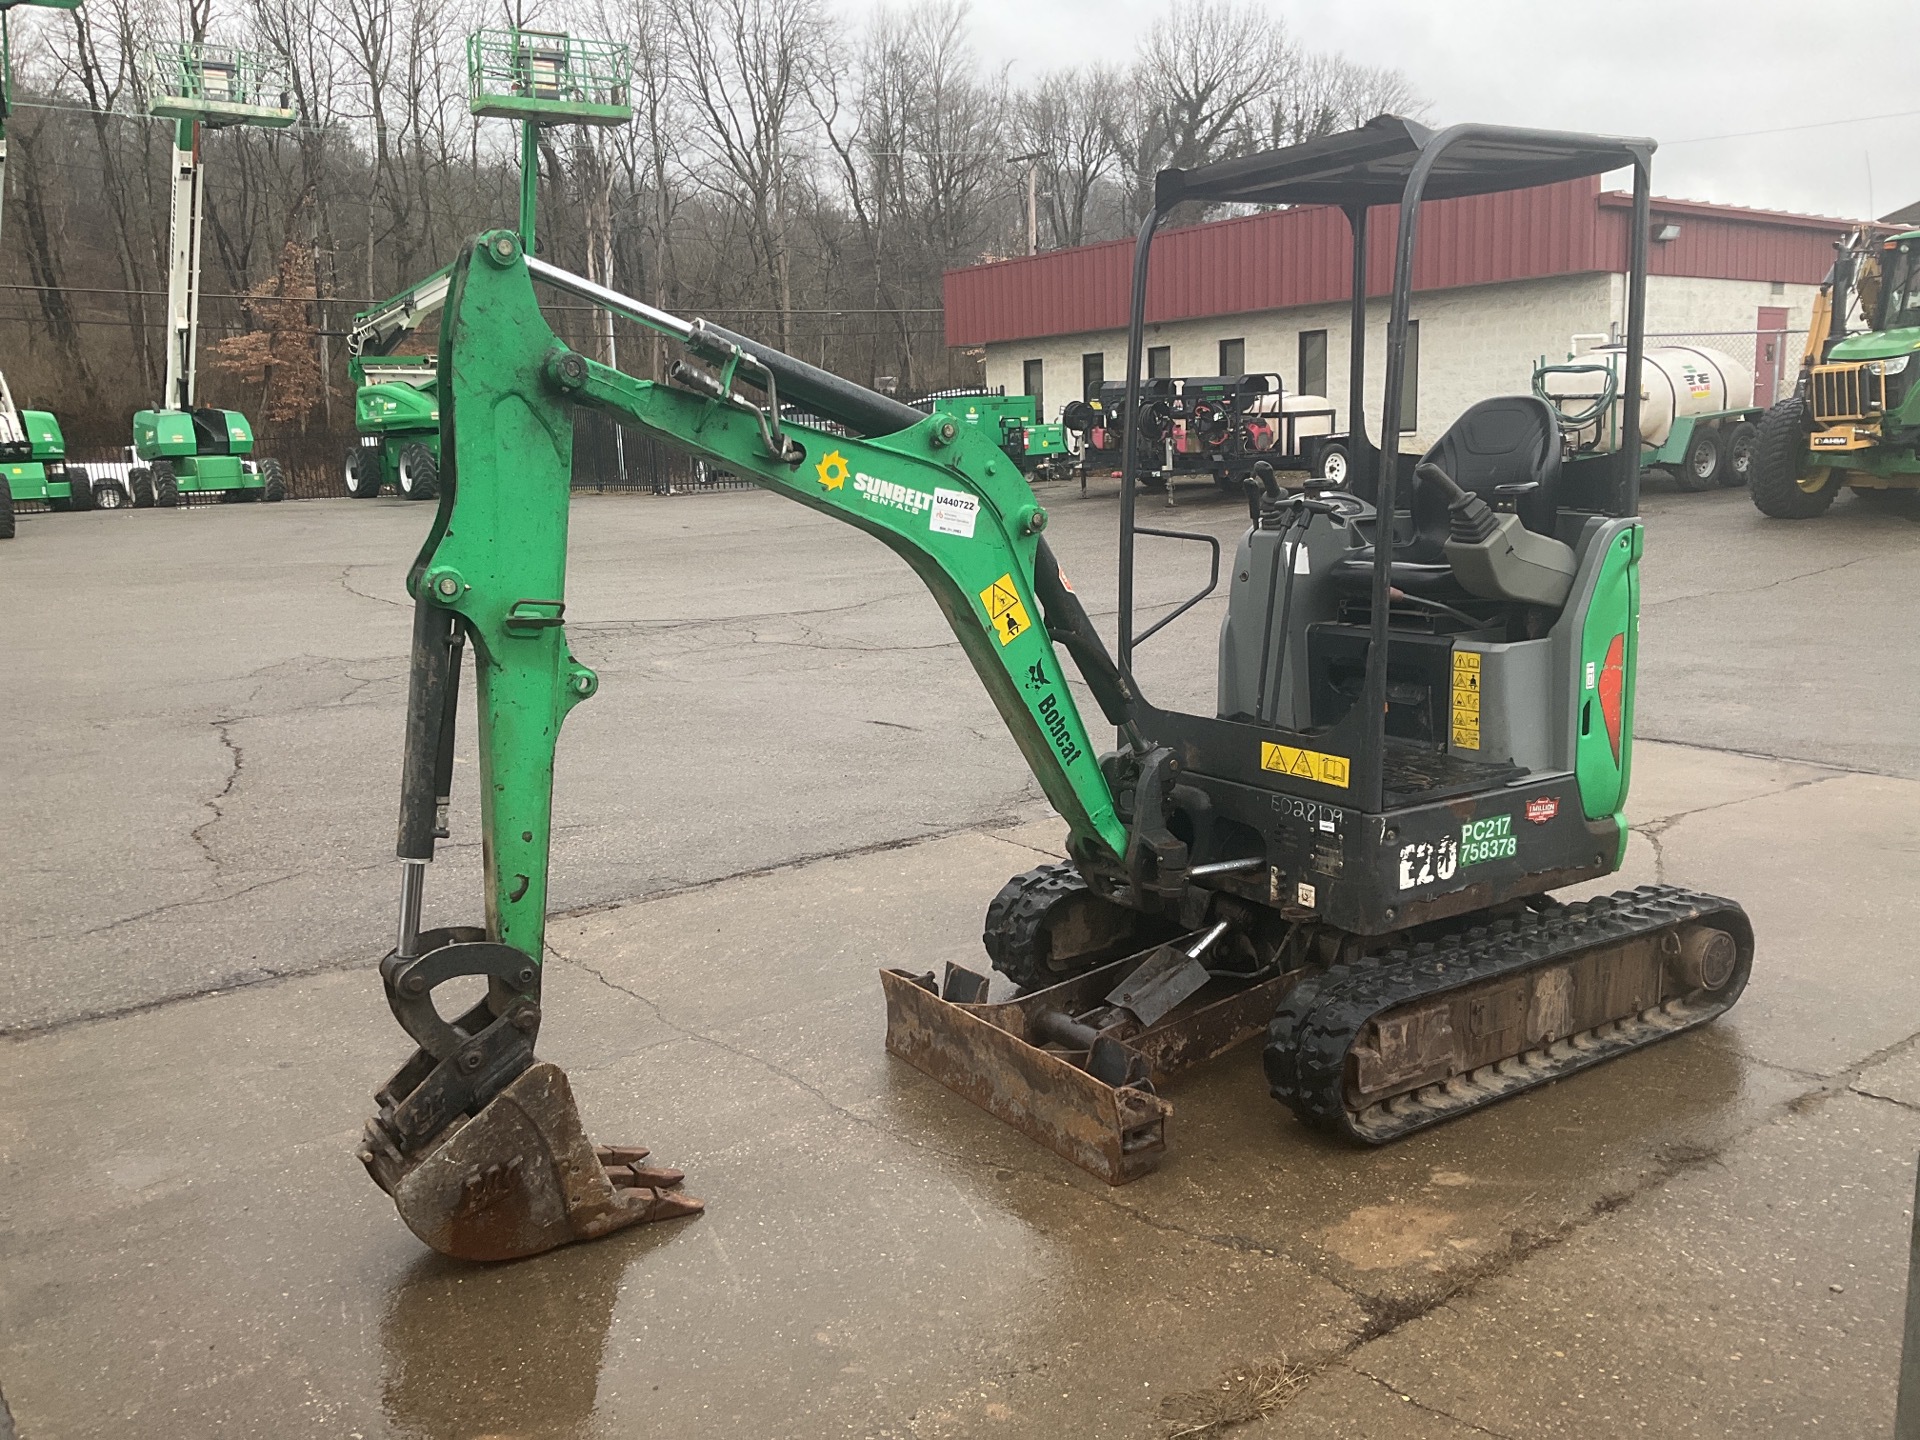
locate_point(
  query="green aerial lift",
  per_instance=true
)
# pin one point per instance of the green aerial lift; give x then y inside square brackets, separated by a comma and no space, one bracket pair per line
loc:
[1424,726]
[187,450]
[396,399]
[33,450]
[536,77]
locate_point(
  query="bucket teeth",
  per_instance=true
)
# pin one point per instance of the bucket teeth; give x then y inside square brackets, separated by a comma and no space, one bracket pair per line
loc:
[521,1177]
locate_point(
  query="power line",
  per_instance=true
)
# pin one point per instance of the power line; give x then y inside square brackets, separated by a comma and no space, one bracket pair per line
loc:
[1787,129]
[556,309]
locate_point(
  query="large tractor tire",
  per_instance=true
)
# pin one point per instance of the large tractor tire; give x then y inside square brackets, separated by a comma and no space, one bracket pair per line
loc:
[273,482]
[166,489]
[419,475]
[110,494]
[1786,485]
[140,482]
[1704,464]
[362,473]
[6,511]
[80,497]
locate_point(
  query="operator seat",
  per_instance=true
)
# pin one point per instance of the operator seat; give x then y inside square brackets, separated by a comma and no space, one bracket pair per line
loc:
[1507,451]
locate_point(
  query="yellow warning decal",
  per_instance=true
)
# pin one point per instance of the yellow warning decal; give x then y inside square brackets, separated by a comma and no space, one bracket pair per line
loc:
[1306,764]
[1004,609]
[1466,699]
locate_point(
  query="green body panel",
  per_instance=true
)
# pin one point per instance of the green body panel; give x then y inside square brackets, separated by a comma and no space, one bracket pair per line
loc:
[497,557]
[27,477]
[27,480]
[1046,440]
[993,413]
[163,434]
[1876,345]
[1006,419]
[49,442]
[392,406]
[1613,611]
[170,435]
[214,472]
[1681,435]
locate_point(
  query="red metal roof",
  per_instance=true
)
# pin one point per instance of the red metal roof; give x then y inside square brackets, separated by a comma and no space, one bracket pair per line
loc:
[1283,258]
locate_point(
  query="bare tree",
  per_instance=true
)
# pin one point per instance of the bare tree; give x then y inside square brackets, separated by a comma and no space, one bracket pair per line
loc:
[745,72]
[1070,120]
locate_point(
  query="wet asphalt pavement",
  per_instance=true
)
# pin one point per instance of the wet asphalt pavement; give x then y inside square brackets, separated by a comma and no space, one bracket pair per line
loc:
[790,778]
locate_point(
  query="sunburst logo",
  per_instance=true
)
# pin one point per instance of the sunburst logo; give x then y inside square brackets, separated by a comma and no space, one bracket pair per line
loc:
[832,470]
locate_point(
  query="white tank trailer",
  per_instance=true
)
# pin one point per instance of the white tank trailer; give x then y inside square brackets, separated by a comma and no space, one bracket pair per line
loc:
[1697,415]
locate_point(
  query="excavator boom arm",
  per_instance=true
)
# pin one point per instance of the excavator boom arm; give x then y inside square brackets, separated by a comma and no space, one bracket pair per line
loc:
[948,502]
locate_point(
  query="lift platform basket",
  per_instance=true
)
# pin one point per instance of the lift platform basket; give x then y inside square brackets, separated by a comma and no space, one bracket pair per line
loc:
[547,77]
[218,86]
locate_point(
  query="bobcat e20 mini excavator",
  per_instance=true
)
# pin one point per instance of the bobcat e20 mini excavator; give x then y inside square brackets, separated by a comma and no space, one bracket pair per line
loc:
[1424,725]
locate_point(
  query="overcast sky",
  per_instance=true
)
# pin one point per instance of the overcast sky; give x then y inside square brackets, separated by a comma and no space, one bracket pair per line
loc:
[1677,71]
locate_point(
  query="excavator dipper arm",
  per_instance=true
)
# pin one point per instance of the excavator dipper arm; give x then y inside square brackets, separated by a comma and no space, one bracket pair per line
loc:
[479,1144]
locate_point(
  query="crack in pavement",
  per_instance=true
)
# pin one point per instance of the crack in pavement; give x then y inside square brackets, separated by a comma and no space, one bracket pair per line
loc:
[987,827]
[1654,831]
[1756,589]
[237,759]
[1642,737]
[1388,1314]
[347,585]
[1400,1394]
[687,1032]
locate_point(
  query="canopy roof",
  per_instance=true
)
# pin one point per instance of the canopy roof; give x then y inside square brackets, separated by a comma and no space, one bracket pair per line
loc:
[1369,166]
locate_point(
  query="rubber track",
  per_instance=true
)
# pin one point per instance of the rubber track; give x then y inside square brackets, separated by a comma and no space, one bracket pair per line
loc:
[1016,917]
[1323,1016]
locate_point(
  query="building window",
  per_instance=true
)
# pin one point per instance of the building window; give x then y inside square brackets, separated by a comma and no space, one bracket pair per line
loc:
[1033,381]
[1093,374]
[1160,362]
[1313,362]
[1410,381]
[1233,357]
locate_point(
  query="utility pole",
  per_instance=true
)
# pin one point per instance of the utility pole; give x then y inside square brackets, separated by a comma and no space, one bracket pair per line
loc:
[1032,162]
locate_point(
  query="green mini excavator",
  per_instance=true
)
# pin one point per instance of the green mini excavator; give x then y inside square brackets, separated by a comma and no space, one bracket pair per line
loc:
[1424,727]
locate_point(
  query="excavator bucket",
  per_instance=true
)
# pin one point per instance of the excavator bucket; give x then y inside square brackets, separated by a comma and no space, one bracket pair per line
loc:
[521,1177]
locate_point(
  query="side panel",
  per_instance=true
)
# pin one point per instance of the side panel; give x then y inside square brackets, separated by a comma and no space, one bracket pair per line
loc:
[28,481]
[1609,650]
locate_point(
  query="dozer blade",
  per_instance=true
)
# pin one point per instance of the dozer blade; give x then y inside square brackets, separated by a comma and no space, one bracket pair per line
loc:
[521,1177]
[1086,1094]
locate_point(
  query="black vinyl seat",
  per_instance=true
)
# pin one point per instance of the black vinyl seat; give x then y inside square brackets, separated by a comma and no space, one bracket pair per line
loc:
[1510,440]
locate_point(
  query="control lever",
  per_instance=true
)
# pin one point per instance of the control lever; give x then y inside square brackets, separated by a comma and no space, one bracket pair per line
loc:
[1471,520]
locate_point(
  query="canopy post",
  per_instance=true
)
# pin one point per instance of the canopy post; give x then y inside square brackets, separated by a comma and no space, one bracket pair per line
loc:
[1627,493]
[1130,438]
[1362,474]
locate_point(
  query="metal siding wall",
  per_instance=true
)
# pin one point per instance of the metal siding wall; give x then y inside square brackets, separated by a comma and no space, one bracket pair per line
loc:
[1282,259]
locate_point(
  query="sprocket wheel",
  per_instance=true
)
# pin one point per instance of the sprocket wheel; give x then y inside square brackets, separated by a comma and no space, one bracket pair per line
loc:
[1046,926]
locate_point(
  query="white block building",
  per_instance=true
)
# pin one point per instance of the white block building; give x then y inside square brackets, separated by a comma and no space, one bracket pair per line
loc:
[1500,281]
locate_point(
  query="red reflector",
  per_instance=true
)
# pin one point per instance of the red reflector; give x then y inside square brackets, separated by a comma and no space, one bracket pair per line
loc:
[1613,688]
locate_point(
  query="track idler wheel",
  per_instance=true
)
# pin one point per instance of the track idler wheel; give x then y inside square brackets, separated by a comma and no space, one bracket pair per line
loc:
[480,1145]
